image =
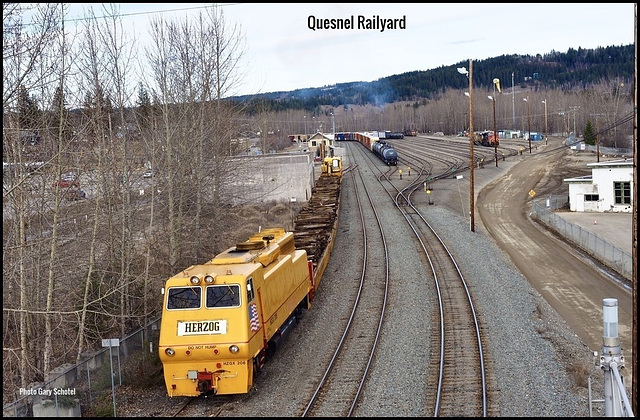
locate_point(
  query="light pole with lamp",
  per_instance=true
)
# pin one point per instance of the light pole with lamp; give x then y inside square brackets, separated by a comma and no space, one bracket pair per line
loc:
[469,75]
[529,119]
[495,132]
[333,124]
[546,125]
[305,127]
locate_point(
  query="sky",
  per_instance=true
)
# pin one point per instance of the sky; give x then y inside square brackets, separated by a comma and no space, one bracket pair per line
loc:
[289,46]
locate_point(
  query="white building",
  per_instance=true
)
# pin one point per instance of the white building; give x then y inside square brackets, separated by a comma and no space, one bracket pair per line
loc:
[320,144]
[608,188]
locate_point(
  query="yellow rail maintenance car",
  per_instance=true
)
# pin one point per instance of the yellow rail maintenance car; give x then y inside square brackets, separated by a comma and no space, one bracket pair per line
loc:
[223,319]
[332,166]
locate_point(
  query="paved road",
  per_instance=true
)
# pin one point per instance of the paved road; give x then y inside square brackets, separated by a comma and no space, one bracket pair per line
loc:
[573,285]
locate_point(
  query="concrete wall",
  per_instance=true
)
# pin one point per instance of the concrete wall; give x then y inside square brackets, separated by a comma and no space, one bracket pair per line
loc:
[273,177]
[49,409]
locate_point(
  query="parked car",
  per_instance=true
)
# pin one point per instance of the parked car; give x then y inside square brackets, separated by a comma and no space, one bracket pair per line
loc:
[68,180]
[148,174]
[75,194]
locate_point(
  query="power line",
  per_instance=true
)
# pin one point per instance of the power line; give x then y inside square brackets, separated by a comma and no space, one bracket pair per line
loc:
[181,9]
[624,119]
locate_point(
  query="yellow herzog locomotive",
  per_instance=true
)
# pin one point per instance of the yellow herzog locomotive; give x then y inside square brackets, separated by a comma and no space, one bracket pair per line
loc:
[223,319]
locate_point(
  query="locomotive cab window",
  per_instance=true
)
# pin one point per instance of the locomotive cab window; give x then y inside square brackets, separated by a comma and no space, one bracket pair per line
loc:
[223,296]
[184,298]
[250,294]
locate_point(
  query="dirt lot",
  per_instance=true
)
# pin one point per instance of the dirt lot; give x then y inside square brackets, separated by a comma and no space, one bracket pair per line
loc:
[573,284]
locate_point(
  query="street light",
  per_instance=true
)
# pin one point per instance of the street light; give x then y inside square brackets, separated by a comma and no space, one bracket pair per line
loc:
[529,118]
[469,75]
[546,125]
[495,132]
[496,84]
[333,124]
[305,127]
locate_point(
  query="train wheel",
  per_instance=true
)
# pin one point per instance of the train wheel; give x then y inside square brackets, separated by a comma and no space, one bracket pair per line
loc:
[258,363]
[256,369]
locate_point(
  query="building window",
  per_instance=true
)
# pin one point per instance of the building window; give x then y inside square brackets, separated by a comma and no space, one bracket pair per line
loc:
[591,197]
[622,192]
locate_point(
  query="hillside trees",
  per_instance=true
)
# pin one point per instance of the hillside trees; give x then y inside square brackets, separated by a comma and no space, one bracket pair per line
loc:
[76,272]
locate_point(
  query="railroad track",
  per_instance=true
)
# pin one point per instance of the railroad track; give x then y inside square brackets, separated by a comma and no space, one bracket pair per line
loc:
[458,387]
[338,390]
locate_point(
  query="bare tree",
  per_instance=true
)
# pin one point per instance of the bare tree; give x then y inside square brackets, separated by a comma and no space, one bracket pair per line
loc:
[194,65]
[118,53]
[26,68]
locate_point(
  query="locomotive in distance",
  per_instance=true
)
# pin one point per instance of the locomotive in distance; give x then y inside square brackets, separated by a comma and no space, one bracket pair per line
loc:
[362,22]
[223,320]
[381,148]
[483,138]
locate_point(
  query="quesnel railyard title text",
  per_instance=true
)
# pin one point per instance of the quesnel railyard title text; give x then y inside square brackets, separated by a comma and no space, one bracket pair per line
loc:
[357,22]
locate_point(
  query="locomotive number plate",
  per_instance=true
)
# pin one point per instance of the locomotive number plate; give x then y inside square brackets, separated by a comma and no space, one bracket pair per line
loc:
[202,327]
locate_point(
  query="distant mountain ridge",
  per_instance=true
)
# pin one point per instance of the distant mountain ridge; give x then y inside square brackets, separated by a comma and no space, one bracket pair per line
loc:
[574,69]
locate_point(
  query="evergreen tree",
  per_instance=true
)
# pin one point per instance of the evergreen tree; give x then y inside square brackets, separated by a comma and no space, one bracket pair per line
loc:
[589,134]
[28,111]
[144,107]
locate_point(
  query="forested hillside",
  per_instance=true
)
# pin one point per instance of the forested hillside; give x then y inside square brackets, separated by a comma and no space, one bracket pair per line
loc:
[574,69]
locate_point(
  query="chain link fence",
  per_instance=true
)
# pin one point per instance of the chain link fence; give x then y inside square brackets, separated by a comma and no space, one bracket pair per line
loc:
[88,388]
[605,252]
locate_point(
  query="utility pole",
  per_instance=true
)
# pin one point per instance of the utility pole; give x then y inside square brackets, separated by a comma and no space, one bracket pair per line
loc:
[529,119]
[513,92]
[575,110]
[597,137]
[471,138]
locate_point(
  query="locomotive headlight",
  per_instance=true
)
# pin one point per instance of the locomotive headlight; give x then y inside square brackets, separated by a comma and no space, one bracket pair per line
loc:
[234,349]
[208,279]
[195,280]
[169,351]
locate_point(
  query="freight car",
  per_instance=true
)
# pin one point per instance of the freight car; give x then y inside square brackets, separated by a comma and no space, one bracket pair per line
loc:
[381,148]
[395,135]
[223,320]
[385,152]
